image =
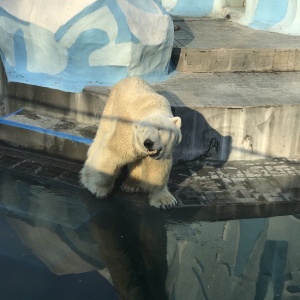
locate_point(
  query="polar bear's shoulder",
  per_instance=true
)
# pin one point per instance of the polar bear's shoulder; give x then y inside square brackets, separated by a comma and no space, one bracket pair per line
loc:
[134,84]
[135,95]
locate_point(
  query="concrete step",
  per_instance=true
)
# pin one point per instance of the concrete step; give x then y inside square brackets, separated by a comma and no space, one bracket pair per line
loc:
[225,116]
[211,133]
[218,45]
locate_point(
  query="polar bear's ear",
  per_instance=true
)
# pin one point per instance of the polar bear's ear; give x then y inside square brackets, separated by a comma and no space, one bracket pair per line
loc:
[177,121]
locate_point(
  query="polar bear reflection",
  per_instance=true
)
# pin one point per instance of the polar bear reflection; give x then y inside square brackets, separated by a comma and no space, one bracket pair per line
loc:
[137,129]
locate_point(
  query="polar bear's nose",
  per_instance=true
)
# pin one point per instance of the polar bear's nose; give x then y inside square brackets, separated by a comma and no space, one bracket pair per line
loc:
[148,144]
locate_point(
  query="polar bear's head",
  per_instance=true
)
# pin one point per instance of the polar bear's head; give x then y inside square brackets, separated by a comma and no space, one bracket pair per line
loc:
[157,135]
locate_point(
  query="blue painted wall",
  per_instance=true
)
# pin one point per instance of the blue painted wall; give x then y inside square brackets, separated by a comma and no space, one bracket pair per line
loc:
[269,13]
[272,15]
[193,8]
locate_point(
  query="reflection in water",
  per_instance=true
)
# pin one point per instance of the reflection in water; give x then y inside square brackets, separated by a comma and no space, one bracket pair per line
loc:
[57,243]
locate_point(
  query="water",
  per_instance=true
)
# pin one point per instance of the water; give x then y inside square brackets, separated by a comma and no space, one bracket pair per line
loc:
[62,243]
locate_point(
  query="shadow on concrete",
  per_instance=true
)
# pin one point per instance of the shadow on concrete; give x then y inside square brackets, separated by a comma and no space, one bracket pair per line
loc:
[200,141]
[188,37]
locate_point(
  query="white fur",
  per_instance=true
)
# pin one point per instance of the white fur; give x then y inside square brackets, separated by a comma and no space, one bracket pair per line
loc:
[134,113]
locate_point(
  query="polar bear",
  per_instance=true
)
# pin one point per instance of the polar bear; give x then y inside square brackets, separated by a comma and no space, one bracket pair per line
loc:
[137,129]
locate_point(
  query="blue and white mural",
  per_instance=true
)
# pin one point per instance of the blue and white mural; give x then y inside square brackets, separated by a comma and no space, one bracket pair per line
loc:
[73,43]
[273,15]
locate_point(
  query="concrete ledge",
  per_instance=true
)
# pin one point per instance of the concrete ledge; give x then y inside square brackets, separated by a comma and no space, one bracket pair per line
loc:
[204,192]
[62,138]
[213,133]
[235,60]
[43,143]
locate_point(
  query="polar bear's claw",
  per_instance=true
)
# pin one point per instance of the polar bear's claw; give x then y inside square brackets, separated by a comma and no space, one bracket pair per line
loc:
[131,187]
[102,191]
[163,200]
[101,194]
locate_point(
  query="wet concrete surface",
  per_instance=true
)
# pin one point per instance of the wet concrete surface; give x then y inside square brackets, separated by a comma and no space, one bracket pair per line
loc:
[206,190]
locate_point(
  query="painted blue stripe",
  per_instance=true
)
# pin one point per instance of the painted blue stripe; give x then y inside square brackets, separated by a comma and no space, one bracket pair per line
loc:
[63,135]
[123,34]
[4,13]
[13,113]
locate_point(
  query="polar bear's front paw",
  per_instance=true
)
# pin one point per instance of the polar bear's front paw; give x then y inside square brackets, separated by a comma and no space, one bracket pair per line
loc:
[101,192]
[162,200]
[131,186]
[97,183]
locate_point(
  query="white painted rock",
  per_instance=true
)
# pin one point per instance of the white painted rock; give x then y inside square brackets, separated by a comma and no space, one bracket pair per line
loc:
[73,43]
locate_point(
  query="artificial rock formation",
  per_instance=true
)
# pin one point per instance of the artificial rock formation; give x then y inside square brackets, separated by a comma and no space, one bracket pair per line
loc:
[73,43]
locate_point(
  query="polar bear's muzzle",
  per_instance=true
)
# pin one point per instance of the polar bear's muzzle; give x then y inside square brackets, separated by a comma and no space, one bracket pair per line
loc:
[149,146]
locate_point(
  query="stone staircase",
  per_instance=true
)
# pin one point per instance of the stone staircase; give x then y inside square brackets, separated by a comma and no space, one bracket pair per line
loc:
[207,45]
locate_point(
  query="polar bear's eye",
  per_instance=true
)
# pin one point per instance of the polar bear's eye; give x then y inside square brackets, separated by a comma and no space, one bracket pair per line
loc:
[158,128]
